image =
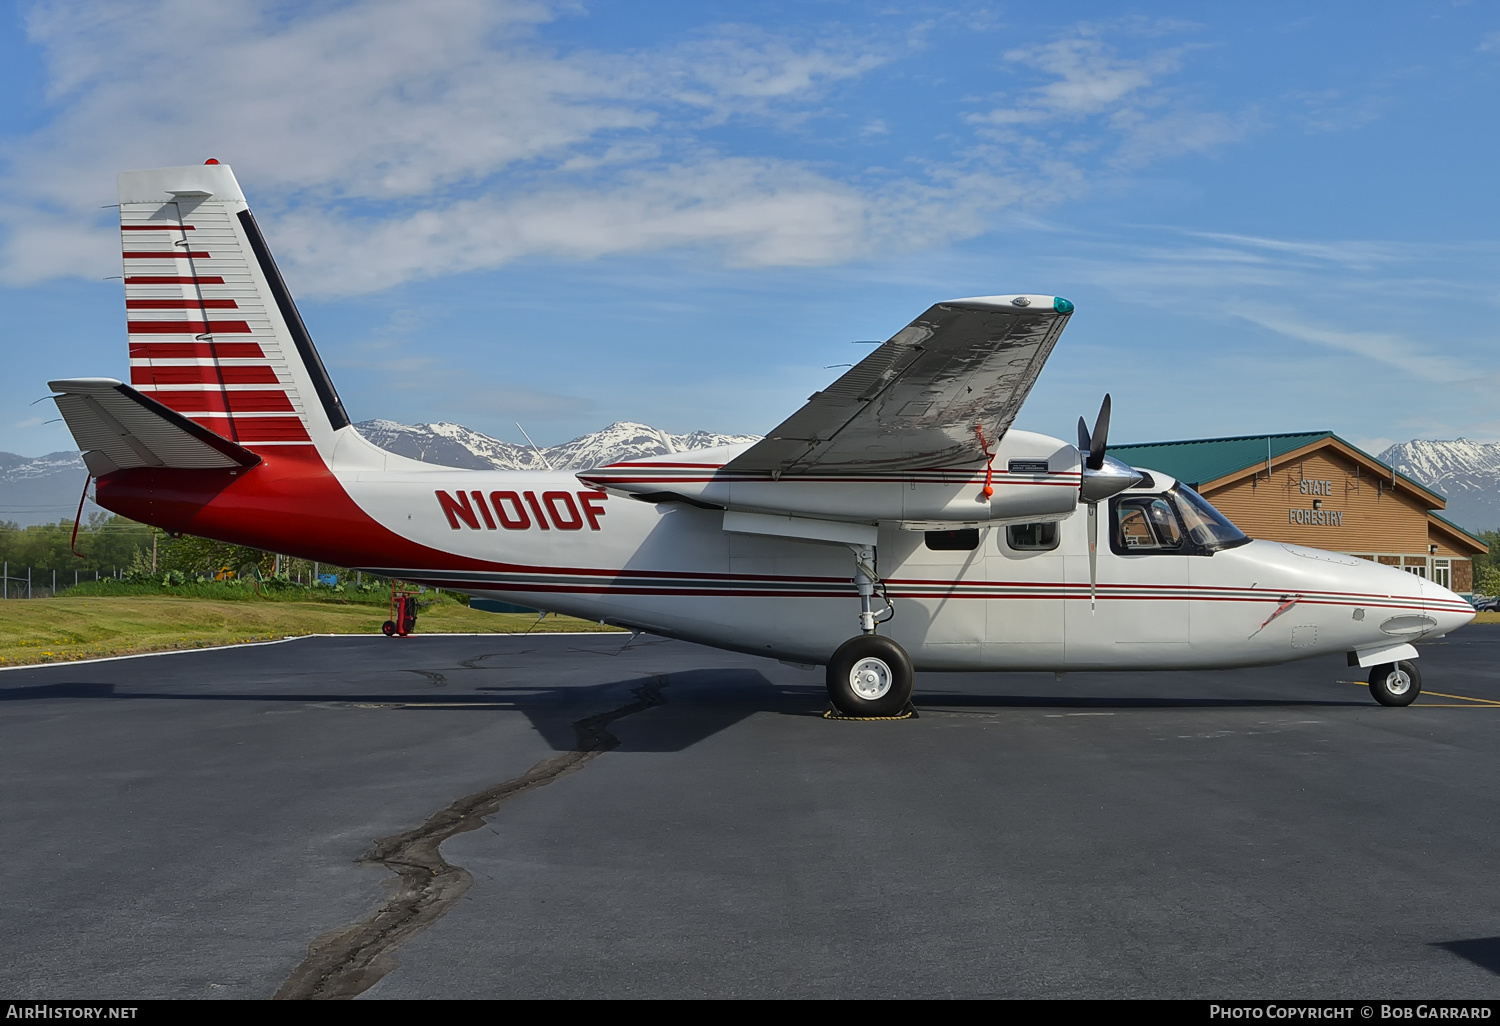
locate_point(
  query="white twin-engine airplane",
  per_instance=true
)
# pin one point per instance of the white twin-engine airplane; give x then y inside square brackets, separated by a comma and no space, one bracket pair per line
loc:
[896,522]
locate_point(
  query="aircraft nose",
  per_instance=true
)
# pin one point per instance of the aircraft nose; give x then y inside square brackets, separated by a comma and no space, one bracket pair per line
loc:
[1449,609]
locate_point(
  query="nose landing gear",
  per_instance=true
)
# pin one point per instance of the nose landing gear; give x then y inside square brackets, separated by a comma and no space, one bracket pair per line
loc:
[1396,683]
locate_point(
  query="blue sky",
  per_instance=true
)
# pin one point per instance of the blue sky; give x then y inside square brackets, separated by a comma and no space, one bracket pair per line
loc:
[1271,217]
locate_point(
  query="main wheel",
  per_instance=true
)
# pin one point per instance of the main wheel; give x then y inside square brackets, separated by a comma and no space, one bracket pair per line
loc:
[869,676]
[388,628]
[1396,683]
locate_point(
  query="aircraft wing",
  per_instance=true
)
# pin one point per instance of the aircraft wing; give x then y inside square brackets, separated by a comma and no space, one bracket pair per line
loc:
[119,428]
[915,402]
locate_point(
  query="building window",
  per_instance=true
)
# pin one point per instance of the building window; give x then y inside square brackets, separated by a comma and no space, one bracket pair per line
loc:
[1442,572]
[1032,537]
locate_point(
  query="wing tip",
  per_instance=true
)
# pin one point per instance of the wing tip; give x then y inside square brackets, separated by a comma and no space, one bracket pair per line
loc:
[1056,304]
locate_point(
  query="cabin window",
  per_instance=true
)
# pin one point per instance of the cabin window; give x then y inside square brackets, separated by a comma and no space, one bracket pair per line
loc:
[1145,523]
[963,540]
[1032,537]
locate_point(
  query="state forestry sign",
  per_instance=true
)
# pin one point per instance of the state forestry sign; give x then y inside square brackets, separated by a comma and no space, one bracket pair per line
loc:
[1317,516]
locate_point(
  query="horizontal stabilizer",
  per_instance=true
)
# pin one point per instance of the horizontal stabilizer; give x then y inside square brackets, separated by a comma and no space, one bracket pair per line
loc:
[118,428]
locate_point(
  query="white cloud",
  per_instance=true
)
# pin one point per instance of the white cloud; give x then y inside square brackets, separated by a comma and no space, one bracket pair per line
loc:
[386,141]
[1334,110]
[377,100]
[1358,254]
[425,131]
[1396,351]
[1089,79]
[753,212]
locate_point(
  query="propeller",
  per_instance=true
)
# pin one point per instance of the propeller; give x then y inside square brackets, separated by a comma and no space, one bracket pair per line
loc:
[1094,444]
[1103,476]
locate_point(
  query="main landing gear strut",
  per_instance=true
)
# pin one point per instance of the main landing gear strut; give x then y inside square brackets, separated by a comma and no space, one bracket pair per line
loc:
[869,676]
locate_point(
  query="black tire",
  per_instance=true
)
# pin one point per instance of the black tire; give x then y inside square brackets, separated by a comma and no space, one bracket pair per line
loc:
[388,628]
[1396,683]
[879,687]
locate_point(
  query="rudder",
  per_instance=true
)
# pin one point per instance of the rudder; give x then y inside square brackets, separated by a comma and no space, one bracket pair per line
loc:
[214,333]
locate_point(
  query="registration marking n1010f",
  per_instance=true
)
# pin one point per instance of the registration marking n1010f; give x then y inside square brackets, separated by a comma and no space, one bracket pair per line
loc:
[521,511]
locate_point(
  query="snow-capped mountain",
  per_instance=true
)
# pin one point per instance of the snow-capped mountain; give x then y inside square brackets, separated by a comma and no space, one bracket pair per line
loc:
[45,489]
[1468,473]
[41,489]
[454,445]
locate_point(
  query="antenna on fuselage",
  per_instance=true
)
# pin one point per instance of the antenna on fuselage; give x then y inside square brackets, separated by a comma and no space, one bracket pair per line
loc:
[539,454]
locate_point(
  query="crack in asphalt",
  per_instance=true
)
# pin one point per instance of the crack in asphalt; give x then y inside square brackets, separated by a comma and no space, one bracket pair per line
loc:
[345,962]
[437,680]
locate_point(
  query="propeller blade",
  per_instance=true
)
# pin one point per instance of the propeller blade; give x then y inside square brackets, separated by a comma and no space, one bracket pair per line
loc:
[1083,438]
[1093,555]
[1100,437]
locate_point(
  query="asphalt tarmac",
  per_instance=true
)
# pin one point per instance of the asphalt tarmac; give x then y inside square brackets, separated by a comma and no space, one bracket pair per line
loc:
[187,825]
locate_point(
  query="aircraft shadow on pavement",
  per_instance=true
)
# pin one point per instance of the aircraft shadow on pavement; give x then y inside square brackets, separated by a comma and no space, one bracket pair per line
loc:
[689,705]
[1482,951]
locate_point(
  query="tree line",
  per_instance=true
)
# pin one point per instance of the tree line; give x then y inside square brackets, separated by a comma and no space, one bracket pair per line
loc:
[1487,567]
[109,545]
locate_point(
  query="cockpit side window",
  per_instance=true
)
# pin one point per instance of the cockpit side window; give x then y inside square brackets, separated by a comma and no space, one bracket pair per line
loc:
[1032,537]
[1145,523]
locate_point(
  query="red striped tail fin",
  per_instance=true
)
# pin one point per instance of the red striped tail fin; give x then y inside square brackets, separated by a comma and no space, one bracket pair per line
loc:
[214,334]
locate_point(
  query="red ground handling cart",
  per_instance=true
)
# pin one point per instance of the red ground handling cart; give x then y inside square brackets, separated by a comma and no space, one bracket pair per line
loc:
[403,611]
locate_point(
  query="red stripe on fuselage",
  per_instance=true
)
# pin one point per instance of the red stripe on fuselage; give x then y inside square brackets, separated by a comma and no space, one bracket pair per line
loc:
[289,503]
[158,228]
[166,254]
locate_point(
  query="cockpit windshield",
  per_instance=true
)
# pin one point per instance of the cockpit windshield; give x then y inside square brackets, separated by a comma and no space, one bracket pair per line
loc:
[1209,529]
[1180,521]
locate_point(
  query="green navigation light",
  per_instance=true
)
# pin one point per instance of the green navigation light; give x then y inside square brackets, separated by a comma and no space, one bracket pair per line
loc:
[1061,305]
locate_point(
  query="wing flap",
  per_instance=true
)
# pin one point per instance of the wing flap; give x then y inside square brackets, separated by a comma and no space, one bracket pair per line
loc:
[915,402]
[118,428]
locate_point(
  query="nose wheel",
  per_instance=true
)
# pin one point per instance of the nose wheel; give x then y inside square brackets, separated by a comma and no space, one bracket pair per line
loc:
[870,676]
[1396,683]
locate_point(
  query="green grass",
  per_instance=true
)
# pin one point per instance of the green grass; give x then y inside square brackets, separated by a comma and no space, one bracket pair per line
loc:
[77,627]
[234,591]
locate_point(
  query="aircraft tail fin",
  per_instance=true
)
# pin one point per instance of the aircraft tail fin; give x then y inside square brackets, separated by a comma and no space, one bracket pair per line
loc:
[214,333]
[118,428]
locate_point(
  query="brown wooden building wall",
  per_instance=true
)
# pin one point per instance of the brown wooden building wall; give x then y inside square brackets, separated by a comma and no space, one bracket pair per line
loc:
[1373,517]
[1347,506]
